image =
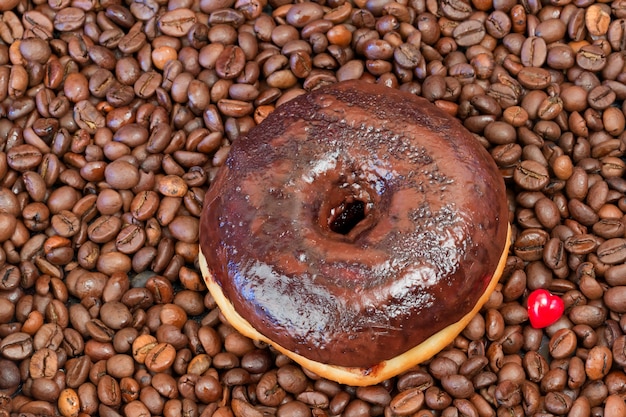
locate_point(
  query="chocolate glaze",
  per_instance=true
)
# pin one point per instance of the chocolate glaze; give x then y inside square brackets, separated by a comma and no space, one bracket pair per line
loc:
[433,224]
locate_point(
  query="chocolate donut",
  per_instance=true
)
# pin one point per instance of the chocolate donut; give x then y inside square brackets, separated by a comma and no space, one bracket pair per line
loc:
[357,229]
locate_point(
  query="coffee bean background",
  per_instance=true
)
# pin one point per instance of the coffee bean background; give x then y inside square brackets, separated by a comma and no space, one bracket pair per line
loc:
[116,114]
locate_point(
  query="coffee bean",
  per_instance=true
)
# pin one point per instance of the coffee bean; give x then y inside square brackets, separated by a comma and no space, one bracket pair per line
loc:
[147,84]
[109,391]
[88,117]
[457,386]
[434,398]
[469,32]
[10,374]
[500,133]
[77,371]
[43,364]
[230,62]
[291,379]
[598,362]
[9,5]
[562,344]
[313,398]
[177,22]
[498,24]
[615,33]
[68,402]
[268,391]
[456,10]
[160,357]
[611,251]
[24,157]
[587,314]
[376,395]
[16,346]
[582,213]
[601,97]
[533,52]
[557,402]
[531,175]
[613,298]
[529,245]
[597,20]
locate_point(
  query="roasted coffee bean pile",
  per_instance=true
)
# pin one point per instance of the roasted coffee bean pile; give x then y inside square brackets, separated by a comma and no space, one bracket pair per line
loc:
[115,115]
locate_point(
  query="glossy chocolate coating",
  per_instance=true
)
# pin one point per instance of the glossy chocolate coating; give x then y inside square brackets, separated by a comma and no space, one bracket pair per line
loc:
[433,224]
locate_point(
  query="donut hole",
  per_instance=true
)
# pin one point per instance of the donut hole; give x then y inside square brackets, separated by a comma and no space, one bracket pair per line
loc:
[344,218]
[348,210]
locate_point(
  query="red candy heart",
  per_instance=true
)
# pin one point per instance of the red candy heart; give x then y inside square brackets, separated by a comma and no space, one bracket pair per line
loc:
[544,308]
